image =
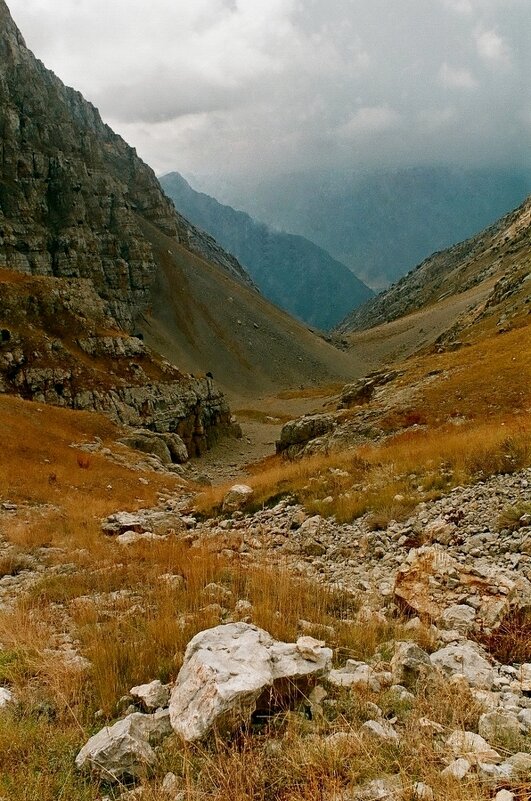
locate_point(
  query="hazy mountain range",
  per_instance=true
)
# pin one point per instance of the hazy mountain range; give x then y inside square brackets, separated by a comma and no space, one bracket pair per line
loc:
[379,223]
[290,270]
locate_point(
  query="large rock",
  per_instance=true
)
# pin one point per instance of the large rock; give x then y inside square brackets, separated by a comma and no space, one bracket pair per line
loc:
[297,433]
[147,442]
[126,748]
[237,497]
[432,583]
[465,660]
[472,747]
[231,670]
[499,726]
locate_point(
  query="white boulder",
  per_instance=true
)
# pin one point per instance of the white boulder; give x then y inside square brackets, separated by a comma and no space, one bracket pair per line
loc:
[154,695]
[457,769]
[6,697]
[380,730]
[466,660]
[237,497]
[124,749]
[472,747]
[228,668]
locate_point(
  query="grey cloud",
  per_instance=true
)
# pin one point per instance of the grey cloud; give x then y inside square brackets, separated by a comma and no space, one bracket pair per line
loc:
[250,85]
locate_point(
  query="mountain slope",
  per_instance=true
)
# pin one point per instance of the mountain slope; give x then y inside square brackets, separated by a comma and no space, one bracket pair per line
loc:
[379,222]
[77,203]
[478,286]
[202,320]
[290,270]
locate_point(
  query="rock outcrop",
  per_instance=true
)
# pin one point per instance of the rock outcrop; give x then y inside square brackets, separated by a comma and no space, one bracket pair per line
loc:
[77,269]
[59,345]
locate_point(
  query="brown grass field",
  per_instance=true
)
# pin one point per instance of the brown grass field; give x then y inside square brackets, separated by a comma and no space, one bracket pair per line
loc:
[111,605]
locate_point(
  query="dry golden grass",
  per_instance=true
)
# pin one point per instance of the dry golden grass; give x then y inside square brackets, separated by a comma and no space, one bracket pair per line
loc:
[112,604]
[468,416]
[39,466]
[390,478]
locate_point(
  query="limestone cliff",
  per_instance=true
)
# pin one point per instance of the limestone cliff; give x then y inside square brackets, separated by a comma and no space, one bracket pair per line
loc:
[72,191]
[75,267]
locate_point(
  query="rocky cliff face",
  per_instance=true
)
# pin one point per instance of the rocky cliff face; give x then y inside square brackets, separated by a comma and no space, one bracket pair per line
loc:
[59,346]
[72,191]
[76,269]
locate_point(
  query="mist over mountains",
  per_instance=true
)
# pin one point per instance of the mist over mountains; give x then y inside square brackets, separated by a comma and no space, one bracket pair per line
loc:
[293,272]
[380,223]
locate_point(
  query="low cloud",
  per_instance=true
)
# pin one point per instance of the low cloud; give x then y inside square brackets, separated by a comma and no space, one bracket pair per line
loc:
[250,85]
[454,78]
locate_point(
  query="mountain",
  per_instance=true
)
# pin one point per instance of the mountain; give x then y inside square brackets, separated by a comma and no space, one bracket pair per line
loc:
[378,222]
[478,286]
[80,212]
[291,271]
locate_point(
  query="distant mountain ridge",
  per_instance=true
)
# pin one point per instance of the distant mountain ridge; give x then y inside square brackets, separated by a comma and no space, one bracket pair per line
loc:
[290,270]
[378,222]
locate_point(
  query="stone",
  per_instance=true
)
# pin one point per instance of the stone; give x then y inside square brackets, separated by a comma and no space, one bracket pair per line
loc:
[126,748]
[457,769]
[524,718]
[153,695]
[380,730]
[172,786]
[504,795]
[355,674]
[439,531]
[230,669]
[130,537]
[6,698]
[521,763]
[409,664]
[121,522]
[458,617]
[147,442]
[473,747]
[397,695]
[499,726]
[358,393]
[494,774]
[465,659]
[296,434]
[310,648]
[177,448]
[422,792]
[525,677]
[422,586]
[237,498]
[216,593]
[430,726]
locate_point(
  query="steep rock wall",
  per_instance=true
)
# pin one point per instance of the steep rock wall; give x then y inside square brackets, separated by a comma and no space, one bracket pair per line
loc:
[72,191]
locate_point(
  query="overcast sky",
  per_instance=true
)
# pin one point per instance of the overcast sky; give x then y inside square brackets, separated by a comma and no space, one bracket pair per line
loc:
[247,85]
